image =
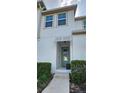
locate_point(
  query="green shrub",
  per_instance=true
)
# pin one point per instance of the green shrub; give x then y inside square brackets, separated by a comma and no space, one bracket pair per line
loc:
[43,74]
[78,71]
[43,70]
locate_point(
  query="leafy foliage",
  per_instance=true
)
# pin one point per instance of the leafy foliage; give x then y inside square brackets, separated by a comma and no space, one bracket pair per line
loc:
[43,75]
[78,71]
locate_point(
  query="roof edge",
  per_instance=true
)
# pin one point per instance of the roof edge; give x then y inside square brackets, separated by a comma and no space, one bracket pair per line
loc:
[80,18]
[40,4]
[79,33]
[60,9]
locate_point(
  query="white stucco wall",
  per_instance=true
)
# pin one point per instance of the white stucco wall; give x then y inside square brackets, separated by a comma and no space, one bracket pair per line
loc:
[47,51]
[38,18]
[79,47]
[38,22]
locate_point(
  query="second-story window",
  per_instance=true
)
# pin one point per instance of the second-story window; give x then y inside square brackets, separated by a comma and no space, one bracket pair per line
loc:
[84,24]
[62,19]
[49,21]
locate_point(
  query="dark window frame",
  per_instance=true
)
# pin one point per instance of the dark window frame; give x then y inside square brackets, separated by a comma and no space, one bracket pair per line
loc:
[49,21]
[62,19]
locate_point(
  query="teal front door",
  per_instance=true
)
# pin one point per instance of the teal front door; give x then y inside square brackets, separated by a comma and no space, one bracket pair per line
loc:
[65,56]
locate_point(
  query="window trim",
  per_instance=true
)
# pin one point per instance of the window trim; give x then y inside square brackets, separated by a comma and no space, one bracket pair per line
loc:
[84,24]
[62,18]
[49,21]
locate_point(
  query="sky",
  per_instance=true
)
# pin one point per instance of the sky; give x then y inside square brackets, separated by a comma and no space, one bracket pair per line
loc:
[81,8]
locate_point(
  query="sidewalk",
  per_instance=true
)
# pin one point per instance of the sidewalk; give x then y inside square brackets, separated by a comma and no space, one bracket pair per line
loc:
[59,84]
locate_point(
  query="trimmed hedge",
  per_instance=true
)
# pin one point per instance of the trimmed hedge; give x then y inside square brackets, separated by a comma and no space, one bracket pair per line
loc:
[43,75]
[78,71]
[43,69]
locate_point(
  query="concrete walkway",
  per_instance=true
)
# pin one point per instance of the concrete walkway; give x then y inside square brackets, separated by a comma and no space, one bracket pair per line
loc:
[59,84]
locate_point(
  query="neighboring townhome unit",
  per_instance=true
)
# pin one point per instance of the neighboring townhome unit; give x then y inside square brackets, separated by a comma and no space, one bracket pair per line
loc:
[62,37]
[40,7]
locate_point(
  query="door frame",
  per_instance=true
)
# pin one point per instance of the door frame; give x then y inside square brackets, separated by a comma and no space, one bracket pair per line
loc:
[61,44]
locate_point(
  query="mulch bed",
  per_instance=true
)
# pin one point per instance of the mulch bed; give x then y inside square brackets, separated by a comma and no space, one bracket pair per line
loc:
[77,88]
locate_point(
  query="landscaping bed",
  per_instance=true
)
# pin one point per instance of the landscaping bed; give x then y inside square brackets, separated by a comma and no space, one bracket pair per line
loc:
[78,76]
[44,75]
[77,88]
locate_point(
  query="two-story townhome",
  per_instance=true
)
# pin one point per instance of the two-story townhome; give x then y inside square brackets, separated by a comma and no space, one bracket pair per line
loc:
[62,37]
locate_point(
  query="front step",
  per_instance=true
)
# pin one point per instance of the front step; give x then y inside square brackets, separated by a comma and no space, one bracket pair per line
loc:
[61,75]
[63,71]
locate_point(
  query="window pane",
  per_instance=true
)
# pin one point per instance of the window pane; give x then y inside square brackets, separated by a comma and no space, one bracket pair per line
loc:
[61,22]
[85,27]
[65,58]
[48,18]
[48,24]
[63,15]
[84,22]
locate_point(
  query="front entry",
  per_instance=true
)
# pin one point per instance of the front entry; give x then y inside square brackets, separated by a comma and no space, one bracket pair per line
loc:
[65,56]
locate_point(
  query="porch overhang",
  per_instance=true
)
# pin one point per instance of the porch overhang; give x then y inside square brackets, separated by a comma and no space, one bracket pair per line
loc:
[64,38]
[79,33]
